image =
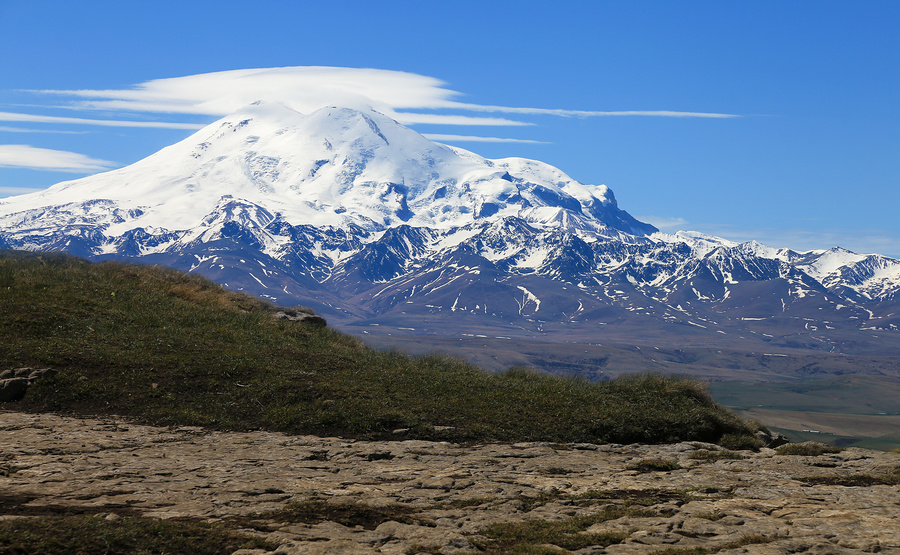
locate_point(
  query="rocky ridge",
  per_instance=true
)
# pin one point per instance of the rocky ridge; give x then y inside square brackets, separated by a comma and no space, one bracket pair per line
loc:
[445,498]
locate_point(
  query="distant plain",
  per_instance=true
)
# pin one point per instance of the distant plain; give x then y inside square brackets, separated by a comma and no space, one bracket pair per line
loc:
[808,396]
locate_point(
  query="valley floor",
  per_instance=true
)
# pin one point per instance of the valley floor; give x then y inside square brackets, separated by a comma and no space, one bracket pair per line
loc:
[418,496]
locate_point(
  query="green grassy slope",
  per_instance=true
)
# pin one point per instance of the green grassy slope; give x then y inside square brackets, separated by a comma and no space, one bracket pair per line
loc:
[169,348]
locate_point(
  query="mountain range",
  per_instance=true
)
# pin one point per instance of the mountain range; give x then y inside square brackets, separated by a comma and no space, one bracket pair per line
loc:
[388,233]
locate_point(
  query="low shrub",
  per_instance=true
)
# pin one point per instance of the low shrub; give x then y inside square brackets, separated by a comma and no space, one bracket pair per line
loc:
[62,535]
[654,465]
[809,449]
[712,456]
[569,533]
[741,442]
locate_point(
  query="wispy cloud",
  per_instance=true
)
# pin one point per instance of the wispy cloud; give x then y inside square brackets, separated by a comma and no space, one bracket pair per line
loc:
[5,129]
[476,139]
[32,118]
[401,95]
[592,113]
[25,156]
[409,118]
[664,224]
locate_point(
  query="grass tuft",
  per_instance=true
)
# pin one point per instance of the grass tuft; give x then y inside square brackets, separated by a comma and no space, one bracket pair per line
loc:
[741,442]
[890,478]
[62,535]
[654,465]
[569,533]
[712,456]
[743,541]
[809,449]
[348,514]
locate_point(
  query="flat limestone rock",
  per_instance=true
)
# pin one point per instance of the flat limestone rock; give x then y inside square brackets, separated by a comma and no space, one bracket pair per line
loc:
[441,496]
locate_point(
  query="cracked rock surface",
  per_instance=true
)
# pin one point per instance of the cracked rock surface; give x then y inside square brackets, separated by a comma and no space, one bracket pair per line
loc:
[440,497]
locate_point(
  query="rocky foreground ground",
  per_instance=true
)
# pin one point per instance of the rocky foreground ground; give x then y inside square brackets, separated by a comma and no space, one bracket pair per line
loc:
[419,496]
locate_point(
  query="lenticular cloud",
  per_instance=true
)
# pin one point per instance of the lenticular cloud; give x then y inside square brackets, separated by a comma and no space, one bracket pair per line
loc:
[397,94]
[304,89]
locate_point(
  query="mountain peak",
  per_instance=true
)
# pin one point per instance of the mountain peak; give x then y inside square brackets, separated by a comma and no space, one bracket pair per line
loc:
[338,166]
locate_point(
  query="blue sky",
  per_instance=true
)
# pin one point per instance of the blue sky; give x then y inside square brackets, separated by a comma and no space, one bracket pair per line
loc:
[775,121]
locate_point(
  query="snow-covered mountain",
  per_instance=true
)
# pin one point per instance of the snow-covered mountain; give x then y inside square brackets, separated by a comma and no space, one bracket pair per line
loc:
[374,225]
[336,167]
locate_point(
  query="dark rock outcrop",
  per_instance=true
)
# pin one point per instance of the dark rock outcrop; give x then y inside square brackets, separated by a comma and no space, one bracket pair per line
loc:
[301,314]
[14,383]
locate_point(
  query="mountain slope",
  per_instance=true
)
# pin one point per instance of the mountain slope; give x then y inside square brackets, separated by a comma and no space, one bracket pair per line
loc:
[381,229]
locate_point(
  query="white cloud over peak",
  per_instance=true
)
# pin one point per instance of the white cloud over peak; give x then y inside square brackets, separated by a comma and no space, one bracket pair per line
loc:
[303,88]
[409,98]
[400,95]
[25,156]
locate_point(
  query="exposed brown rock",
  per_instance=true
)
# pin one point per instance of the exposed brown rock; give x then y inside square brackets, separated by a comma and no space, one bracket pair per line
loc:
[441,496]
[301,314]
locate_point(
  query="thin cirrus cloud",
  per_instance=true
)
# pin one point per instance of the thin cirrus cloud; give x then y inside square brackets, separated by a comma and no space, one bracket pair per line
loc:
[25,156]
[6,129]
[400,95]
[593,113]
[665,224]
[477,139]
[31,118]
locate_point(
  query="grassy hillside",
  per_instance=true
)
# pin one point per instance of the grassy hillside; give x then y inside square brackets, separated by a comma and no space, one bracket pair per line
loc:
[169,348]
